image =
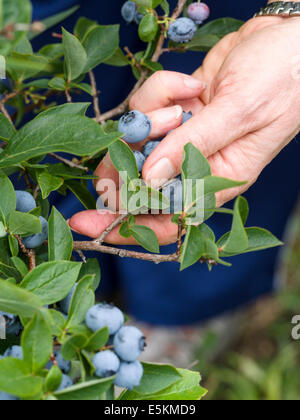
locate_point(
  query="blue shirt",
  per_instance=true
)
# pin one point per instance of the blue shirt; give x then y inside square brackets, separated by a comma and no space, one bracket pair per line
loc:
[160,294]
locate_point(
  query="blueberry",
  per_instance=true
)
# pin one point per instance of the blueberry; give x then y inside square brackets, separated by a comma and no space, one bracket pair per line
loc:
[64,365]
[186,116]
[138,17]
[129,343]
[128,11]
[140,160]
[136,126]
[37,240]
[174,192]
[66,382]
[7,397]
[104,315]
[25,202]
[149,147]
[106,364]
[129,375]
[13,326]
[182,30]
[15,351]
[66,302]
[198,12]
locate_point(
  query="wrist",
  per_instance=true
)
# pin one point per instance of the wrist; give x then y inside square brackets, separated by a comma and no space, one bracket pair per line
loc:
[273,1]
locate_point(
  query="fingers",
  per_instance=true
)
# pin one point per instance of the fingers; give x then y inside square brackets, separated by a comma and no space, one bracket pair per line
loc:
[93,223]
[216,126]
[165,88]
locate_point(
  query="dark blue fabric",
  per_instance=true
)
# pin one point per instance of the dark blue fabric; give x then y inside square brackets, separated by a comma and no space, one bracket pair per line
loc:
[160,294]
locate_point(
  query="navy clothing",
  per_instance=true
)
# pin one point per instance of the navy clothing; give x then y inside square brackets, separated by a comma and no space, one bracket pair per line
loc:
[161,294]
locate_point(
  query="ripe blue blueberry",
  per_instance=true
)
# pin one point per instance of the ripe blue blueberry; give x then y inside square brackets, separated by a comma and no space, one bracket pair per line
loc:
[66,302]
[138,17]
[37,240]
[104,315]
[182,30]
[66,382]
[25,202]
[106,364]
[174,192]
[128,11]
[64,365]
[140,160]
[129,375]
[149,147]
[7,397]
[129,343]
[13,326]
[186,116]
[198,12]
[15,351]
[136,126]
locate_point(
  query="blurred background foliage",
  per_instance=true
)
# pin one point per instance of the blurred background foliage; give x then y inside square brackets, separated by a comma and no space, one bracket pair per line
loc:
[263,362]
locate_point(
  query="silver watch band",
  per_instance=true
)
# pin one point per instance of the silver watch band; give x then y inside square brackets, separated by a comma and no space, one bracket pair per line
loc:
[280,8]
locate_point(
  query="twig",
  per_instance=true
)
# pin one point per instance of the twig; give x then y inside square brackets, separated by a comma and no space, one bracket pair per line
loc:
[179,237]
[68,96]
[116,223]
[94,246]
[82,256]
[5,113]
[132,57]
[95,95]
[28,252]
[68,162]
[123,106]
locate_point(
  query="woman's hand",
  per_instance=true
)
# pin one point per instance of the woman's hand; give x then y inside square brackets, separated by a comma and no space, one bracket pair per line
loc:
[248,112]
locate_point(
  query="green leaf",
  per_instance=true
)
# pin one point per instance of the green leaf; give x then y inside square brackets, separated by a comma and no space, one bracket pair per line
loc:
[77,108]
[195,165]
[146,237]
[48,183]
[26,66]
[156,378]
[37,343]
[82,193]
[24,224]
[92,267]
[214,184]
[186,389]
[86,391]
[9,204]
[148,28]
[13,245]
[238,240]
[58,322]
[20,266]
[57,83]
[6,128]
[123,160]
[220,27]
[72,346]
[83,27]
[258,240]
[119,59]
[98,340]
[56,133]
[16,379]
[60,242]
[100,44]
[52,281]
[193,247]
[53,379]
[75,54]
[17,301]
[83,299]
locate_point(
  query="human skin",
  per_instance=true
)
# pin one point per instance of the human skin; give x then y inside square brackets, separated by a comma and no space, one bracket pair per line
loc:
[245,100]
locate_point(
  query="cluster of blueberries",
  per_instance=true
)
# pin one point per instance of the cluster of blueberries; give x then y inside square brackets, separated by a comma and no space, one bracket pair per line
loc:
[183,29]
[25,204]
[136,127]
[120,358]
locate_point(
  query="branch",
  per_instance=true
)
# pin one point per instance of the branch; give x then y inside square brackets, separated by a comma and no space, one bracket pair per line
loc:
[116,223]
[95,95]
[94,246]
[28,252]
[68,162]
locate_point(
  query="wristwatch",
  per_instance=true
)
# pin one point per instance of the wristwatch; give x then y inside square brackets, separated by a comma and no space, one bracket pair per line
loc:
[280,8]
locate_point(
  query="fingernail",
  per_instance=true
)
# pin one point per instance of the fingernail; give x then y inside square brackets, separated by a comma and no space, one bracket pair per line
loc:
[73,230]
[193,83]
[162,171]
[107,161]
[168,115]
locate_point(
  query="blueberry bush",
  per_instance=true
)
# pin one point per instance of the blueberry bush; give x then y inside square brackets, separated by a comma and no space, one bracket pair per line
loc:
[59,343]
